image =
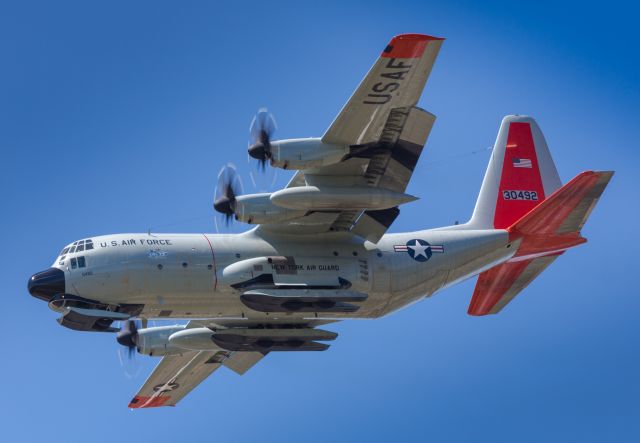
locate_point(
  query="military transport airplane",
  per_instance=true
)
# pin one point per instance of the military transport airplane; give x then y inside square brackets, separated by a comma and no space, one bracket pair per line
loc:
[319,252]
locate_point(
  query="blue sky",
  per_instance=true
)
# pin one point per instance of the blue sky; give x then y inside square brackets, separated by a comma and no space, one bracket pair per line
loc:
[117,116]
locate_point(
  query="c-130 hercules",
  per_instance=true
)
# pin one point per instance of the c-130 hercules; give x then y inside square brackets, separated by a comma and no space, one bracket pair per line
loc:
[319,252]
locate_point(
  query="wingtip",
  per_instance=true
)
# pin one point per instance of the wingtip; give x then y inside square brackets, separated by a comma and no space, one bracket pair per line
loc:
[408,45]
[416,37]
[139,402]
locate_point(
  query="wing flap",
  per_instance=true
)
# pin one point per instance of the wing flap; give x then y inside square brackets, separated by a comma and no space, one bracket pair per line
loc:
[241,362]
[373,224]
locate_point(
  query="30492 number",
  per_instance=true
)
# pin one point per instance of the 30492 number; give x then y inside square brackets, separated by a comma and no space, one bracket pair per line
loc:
[520,195]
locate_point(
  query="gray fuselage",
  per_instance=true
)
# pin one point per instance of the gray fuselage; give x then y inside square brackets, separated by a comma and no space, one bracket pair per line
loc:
[203,275]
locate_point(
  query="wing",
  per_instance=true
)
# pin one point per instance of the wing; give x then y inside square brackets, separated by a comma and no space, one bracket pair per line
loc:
[385,133]
[177,375]
[396,80]
[387,163]
[174,377]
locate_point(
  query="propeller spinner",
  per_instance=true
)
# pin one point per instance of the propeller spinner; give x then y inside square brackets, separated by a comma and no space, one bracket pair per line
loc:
[262,128]
[128,336]
[229,186]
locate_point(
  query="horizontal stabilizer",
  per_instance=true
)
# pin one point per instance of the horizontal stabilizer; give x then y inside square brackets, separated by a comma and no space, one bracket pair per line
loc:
[567,209]
[500,284]
[545,232]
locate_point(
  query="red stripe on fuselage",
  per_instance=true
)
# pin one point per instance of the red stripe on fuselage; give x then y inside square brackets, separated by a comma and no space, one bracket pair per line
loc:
[215,268]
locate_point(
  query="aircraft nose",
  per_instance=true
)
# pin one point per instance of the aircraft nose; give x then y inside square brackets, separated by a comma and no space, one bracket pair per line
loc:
[44,285]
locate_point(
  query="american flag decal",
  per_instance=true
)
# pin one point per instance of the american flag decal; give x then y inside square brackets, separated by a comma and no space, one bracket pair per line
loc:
[522,163]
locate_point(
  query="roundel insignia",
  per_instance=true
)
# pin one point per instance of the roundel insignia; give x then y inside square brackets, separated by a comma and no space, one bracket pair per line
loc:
[419,250]
[166,387]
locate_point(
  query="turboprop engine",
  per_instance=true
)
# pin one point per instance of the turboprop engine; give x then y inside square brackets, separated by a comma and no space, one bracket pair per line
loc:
[149,341]
[305,153]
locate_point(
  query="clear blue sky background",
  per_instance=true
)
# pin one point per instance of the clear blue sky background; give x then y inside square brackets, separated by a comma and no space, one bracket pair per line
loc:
[116,116]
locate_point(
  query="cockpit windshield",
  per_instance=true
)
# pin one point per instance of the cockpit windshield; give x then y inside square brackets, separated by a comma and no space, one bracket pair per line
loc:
[77,246]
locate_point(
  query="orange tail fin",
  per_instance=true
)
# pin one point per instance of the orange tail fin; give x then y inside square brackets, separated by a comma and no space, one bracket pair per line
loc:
[545,232]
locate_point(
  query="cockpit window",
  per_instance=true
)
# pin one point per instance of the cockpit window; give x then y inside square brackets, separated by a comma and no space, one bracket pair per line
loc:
[76,246]
[78,262]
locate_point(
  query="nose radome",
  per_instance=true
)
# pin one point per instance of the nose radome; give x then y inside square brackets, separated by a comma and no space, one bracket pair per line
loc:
[44,285]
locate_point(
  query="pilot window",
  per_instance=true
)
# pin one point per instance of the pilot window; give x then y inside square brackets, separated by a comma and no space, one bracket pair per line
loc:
[78,246]
[79,262]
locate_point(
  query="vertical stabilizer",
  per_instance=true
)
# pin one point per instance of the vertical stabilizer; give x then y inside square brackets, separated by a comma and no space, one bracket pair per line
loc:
[521,174]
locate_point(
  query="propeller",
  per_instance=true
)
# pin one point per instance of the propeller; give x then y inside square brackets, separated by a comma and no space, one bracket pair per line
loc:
[128,336]
[229,186]
[261,130]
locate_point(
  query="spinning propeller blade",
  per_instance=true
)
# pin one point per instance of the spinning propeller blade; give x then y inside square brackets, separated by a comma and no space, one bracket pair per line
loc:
[229,186]
[261,131]
[128,336]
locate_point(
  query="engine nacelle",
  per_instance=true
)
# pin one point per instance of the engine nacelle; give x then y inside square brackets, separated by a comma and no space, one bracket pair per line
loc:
[259,209]
[155,341]
[305,153]
[195,339]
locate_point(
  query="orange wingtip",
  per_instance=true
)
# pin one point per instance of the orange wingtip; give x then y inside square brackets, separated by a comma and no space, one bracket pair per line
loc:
[148,402]
[408,45]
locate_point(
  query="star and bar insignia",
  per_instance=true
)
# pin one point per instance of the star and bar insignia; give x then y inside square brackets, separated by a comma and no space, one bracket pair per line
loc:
[419,250]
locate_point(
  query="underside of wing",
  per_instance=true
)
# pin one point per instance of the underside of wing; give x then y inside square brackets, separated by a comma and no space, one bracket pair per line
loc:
[386,164]
[175,376]
[354,178]
[396,80]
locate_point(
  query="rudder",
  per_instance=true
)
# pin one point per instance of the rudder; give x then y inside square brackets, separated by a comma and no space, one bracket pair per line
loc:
[520,175]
